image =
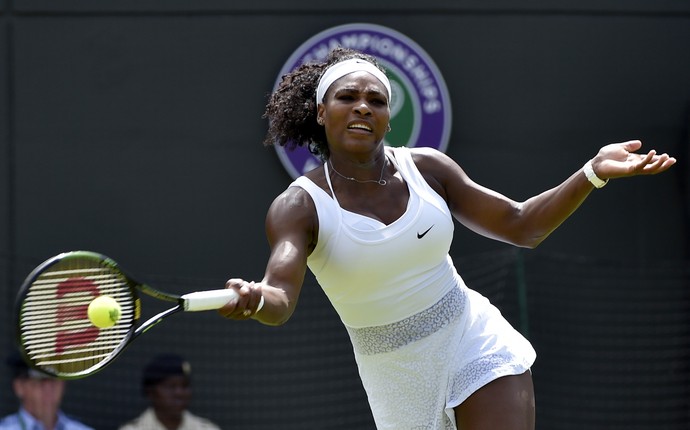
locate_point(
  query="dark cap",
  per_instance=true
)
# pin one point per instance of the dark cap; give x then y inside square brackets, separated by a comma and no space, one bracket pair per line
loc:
[164,366]
[20,369]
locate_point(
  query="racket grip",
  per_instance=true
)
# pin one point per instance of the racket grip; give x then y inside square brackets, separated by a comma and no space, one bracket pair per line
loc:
[208,300]
[211,300]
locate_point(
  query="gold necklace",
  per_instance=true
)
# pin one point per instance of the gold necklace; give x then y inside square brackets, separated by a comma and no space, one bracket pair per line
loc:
[381,181]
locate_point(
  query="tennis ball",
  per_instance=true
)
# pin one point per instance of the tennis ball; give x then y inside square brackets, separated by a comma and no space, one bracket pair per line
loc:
[104,311]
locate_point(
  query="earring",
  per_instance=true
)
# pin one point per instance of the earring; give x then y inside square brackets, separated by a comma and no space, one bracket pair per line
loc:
[388,128]
[319,121]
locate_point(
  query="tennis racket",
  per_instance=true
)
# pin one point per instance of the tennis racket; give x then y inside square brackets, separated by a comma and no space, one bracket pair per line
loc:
[54,332]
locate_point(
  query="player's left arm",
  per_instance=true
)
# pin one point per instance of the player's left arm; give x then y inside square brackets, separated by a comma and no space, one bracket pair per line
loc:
[528,223]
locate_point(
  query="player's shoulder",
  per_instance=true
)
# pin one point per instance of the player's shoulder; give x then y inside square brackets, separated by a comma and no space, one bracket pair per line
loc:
[297,196]
[419,154]
[426,159]
[423,152]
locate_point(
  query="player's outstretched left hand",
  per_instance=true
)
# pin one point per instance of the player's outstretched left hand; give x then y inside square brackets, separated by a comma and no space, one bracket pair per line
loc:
[618,160]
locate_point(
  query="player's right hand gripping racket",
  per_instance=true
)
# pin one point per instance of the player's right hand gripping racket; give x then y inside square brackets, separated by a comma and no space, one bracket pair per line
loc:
[54,332]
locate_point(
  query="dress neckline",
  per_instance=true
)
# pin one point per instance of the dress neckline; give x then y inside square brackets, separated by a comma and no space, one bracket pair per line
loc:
[391,158]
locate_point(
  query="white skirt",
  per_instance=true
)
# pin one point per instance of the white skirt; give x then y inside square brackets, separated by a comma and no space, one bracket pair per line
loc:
[417,370]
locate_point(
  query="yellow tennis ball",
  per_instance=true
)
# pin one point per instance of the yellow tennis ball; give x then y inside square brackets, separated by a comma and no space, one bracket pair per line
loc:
[104,311]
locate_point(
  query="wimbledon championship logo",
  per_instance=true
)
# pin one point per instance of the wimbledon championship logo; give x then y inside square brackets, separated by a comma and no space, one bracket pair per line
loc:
[420,107]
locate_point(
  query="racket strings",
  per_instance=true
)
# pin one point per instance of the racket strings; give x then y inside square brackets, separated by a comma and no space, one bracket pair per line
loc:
[57,334]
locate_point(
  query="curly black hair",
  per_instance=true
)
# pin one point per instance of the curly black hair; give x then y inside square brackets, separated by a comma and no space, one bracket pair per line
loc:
[291,109]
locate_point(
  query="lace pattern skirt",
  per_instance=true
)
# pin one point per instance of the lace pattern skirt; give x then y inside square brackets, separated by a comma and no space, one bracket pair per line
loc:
[417,370]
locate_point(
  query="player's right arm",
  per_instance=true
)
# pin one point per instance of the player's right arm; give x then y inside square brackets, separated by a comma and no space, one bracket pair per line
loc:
[291,230]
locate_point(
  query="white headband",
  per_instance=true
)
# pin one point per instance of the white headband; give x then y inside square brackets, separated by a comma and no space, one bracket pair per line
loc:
[338,70]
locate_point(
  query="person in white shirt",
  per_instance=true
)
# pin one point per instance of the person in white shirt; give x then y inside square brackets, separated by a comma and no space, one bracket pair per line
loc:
[167,385]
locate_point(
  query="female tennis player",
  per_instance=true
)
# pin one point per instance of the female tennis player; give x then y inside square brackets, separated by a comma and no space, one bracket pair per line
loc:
[374,224]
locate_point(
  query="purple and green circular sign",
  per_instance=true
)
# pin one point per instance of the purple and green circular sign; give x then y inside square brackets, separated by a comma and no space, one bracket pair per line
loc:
[420,105]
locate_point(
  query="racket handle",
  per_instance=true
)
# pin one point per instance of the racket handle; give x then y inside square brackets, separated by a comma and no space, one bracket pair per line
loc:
[211,300]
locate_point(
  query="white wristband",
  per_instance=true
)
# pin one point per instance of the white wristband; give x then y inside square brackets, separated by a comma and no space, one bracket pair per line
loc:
[592,177]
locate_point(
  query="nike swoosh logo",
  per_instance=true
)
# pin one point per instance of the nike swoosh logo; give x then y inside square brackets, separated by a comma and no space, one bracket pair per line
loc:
[421,235]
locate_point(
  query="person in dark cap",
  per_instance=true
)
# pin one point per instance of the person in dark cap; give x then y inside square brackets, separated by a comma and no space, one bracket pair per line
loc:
[39,398]
[166,383]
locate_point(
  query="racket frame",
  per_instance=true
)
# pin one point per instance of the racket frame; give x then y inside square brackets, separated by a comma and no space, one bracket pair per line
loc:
[137,328]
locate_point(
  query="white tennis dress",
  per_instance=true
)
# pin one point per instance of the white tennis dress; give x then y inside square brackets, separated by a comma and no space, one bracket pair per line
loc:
[423,341]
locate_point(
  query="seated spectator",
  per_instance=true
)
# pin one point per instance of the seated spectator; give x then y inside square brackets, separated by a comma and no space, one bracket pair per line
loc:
[166,384]
[40,397]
